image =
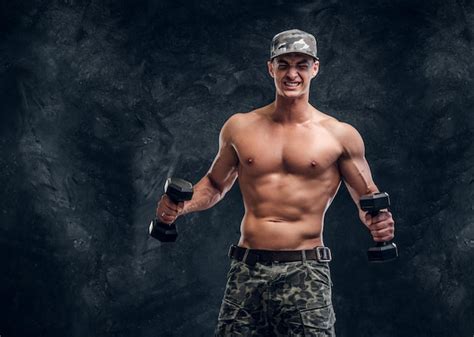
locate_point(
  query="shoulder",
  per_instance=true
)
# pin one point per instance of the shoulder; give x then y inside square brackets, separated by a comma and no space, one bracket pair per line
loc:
[241,121]
[234,121]
[341,130]
[347,135]
[233,125]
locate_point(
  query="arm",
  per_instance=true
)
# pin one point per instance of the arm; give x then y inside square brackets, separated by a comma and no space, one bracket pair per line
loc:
[358,179]
[353,166]
[214,185]
[221,175]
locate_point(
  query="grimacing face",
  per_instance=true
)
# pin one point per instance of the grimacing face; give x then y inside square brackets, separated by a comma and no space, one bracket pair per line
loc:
[292,73]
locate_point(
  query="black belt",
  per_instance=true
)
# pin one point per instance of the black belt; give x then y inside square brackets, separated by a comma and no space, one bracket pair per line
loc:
[252,256]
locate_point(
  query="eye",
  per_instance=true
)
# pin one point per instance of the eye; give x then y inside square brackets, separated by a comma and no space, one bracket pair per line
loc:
[282,66]
[303,66]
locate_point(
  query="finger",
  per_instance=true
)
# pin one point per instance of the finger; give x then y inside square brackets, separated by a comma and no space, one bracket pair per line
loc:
[385,222]
[167,200]
[162,212]
[163,202]
[381,216]
[368,219]
[171,211]
[166,218]
[171,205]
[167,221]
[382,233]
[381,225]
[159,212]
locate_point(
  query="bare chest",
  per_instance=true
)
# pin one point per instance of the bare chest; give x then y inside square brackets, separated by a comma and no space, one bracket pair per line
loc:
[296,150]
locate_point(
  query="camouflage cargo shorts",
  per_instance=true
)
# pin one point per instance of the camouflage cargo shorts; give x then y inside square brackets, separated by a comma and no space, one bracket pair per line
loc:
[277,299]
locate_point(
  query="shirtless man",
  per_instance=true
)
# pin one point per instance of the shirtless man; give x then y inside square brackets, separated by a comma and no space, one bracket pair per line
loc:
[290,159]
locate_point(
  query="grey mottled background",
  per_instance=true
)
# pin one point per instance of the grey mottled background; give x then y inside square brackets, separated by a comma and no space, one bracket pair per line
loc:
[100,100]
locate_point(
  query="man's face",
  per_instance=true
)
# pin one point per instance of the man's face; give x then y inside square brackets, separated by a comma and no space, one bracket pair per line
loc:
[293,73]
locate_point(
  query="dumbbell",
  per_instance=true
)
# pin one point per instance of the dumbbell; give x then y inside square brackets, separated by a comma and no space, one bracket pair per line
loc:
[383,251]
[177,190]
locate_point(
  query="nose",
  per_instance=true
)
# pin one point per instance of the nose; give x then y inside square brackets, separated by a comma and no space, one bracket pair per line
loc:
[292,73]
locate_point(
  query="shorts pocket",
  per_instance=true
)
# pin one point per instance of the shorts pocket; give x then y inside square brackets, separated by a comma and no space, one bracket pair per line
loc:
[227,318]
[228,311]
[320,319]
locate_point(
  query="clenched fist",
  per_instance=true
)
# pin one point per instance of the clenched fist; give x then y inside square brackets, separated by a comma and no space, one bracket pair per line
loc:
[381,226]
[167,211]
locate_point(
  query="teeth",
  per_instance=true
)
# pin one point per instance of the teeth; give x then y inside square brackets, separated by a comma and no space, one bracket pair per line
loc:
[291,84]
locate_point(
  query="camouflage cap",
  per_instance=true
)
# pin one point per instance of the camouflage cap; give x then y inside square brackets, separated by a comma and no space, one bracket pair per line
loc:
[293,41]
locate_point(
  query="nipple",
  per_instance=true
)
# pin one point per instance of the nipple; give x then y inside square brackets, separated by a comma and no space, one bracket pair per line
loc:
[313,163]
[250,160]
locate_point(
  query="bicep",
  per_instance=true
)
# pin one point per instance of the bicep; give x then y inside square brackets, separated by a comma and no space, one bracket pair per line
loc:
[356,174]
[353,165]
[224,169]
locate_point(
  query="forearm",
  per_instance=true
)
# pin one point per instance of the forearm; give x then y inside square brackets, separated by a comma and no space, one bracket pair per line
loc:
[357,194]
[205,196]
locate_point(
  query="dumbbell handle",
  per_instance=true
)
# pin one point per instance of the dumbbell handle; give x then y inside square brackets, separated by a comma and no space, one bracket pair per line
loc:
[378,243]
[175,199]
[383,250]
[177,190]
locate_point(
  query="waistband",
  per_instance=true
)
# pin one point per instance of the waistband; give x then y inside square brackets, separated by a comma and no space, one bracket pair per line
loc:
[252,256]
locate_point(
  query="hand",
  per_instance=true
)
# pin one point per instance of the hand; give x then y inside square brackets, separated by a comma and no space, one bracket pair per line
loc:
[167,211]
[381,226]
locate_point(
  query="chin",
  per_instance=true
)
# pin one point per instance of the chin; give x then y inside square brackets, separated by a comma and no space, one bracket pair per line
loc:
[291,93]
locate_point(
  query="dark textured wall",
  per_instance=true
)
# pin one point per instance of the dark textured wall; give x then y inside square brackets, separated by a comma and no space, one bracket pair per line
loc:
[101,100]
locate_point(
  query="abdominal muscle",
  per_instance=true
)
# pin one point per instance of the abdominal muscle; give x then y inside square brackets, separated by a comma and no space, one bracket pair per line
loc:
[285,211]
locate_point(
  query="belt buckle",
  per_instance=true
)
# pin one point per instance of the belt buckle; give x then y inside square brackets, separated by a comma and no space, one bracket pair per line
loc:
[323,254]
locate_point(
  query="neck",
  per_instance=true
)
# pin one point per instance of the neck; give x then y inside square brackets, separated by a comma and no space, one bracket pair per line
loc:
[292,110]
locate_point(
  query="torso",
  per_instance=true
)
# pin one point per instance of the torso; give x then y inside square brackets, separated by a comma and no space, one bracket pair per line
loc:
[288,176]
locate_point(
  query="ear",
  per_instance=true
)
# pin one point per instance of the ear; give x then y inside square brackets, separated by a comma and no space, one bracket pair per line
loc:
[270,68]
[315,69]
